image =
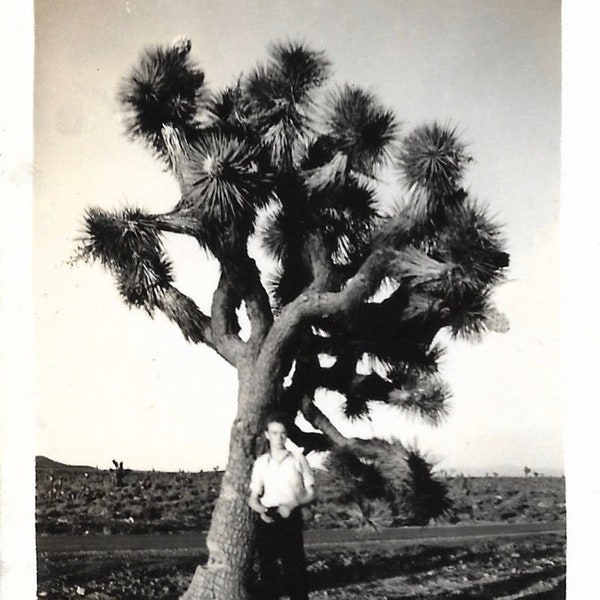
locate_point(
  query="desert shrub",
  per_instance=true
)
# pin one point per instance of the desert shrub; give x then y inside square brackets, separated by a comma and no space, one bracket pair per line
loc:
[55,527]
[152,512]
[97,509]
[187,503]
[370,514]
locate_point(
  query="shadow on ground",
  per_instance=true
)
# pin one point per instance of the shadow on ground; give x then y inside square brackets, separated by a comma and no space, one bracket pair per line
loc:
[532,568]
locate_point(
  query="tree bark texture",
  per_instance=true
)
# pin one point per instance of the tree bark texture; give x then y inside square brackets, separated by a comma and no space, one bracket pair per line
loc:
[230,538]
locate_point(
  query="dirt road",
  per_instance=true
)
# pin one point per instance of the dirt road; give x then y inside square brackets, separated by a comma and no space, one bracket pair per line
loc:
[52,544]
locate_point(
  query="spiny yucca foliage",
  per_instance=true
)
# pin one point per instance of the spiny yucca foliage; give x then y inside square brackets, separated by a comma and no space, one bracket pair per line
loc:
[391,478]
[273,157]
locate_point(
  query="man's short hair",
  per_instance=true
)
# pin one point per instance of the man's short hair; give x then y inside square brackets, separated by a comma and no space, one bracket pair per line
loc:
[276,417]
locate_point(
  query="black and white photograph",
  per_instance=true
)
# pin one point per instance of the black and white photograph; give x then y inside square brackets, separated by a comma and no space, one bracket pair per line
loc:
[296,299]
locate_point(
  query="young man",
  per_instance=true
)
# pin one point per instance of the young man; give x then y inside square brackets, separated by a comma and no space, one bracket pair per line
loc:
[281,483]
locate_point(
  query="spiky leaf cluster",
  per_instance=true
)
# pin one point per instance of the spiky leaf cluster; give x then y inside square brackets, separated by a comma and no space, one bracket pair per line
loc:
[165,88]
[346,216]
[472,241]
[401,477]
[371,513]
[427,398]
[459,234]
[284,84]
[226,110]
[361,128]
[360,477]
[432,157]
[422,496]
[329,200]
[129,245]
[225,182]
[411,387]
[277,96]
[474,245]
[342,215]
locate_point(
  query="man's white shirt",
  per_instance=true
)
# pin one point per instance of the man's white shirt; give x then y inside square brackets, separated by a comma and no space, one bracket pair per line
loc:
[280,481]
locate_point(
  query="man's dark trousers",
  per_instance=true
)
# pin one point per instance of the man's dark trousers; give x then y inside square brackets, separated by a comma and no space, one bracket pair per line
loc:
[282,540]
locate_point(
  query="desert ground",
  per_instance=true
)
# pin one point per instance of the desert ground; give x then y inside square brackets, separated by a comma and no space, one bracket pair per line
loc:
[141,538]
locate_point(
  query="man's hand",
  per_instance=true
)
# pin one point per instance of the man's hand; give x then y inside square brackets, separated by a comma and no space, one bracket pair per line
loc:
[266,518]
[285,510]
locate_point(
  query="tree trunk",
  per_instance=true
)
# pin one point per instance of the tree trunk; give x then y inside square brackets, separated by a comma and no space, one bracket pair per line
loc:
[231,535]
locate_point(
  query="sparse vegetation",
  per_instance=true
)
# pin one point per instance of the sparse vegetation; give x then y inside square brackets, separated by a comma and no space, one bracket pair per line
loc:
[151,501]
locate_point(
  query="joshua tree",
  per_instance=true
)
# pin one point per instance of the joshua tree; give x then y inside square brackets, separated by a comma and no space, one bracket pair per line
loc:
[119,473]
[275,158]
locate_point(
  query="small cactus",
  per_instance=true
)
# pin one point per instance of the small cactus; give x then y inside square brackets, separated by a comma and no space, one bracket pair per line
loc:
[119,473]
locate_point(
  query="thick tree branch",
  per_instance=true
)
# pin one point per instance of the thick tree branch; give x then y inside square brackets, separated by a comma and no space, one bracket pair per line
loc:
[303,383]
[321,265]
[354,385]
[309,305]
[175,222]
[182,310]
[258,307]
[298,397]
[405,266]
[225,325]
[309,440]
[411,267]
[240,280]
[319,421]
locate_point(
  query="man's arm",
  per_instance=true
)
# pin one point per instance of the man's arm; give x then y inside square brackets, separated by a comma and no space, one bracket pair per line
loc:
[308,493]
[256,491]
[257,506]
[306,497]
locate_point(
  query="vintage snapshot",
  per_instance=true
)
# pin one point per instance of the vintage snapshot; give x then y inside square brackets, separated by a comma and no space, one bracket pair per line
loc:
[295,285]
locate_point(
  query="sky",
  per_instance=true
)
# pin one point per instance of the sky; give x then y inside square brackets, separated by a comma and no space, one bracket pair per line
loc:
[112,383]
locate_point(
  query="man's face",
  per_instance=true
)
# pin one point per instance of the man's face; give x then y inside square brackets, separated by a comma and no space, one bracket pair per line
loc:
[277,435]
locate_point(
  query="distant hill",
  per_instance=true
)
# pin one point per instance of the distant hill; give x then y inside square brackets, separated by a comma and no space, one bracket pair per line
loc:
[502,471]
[505,470]
[45,463]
